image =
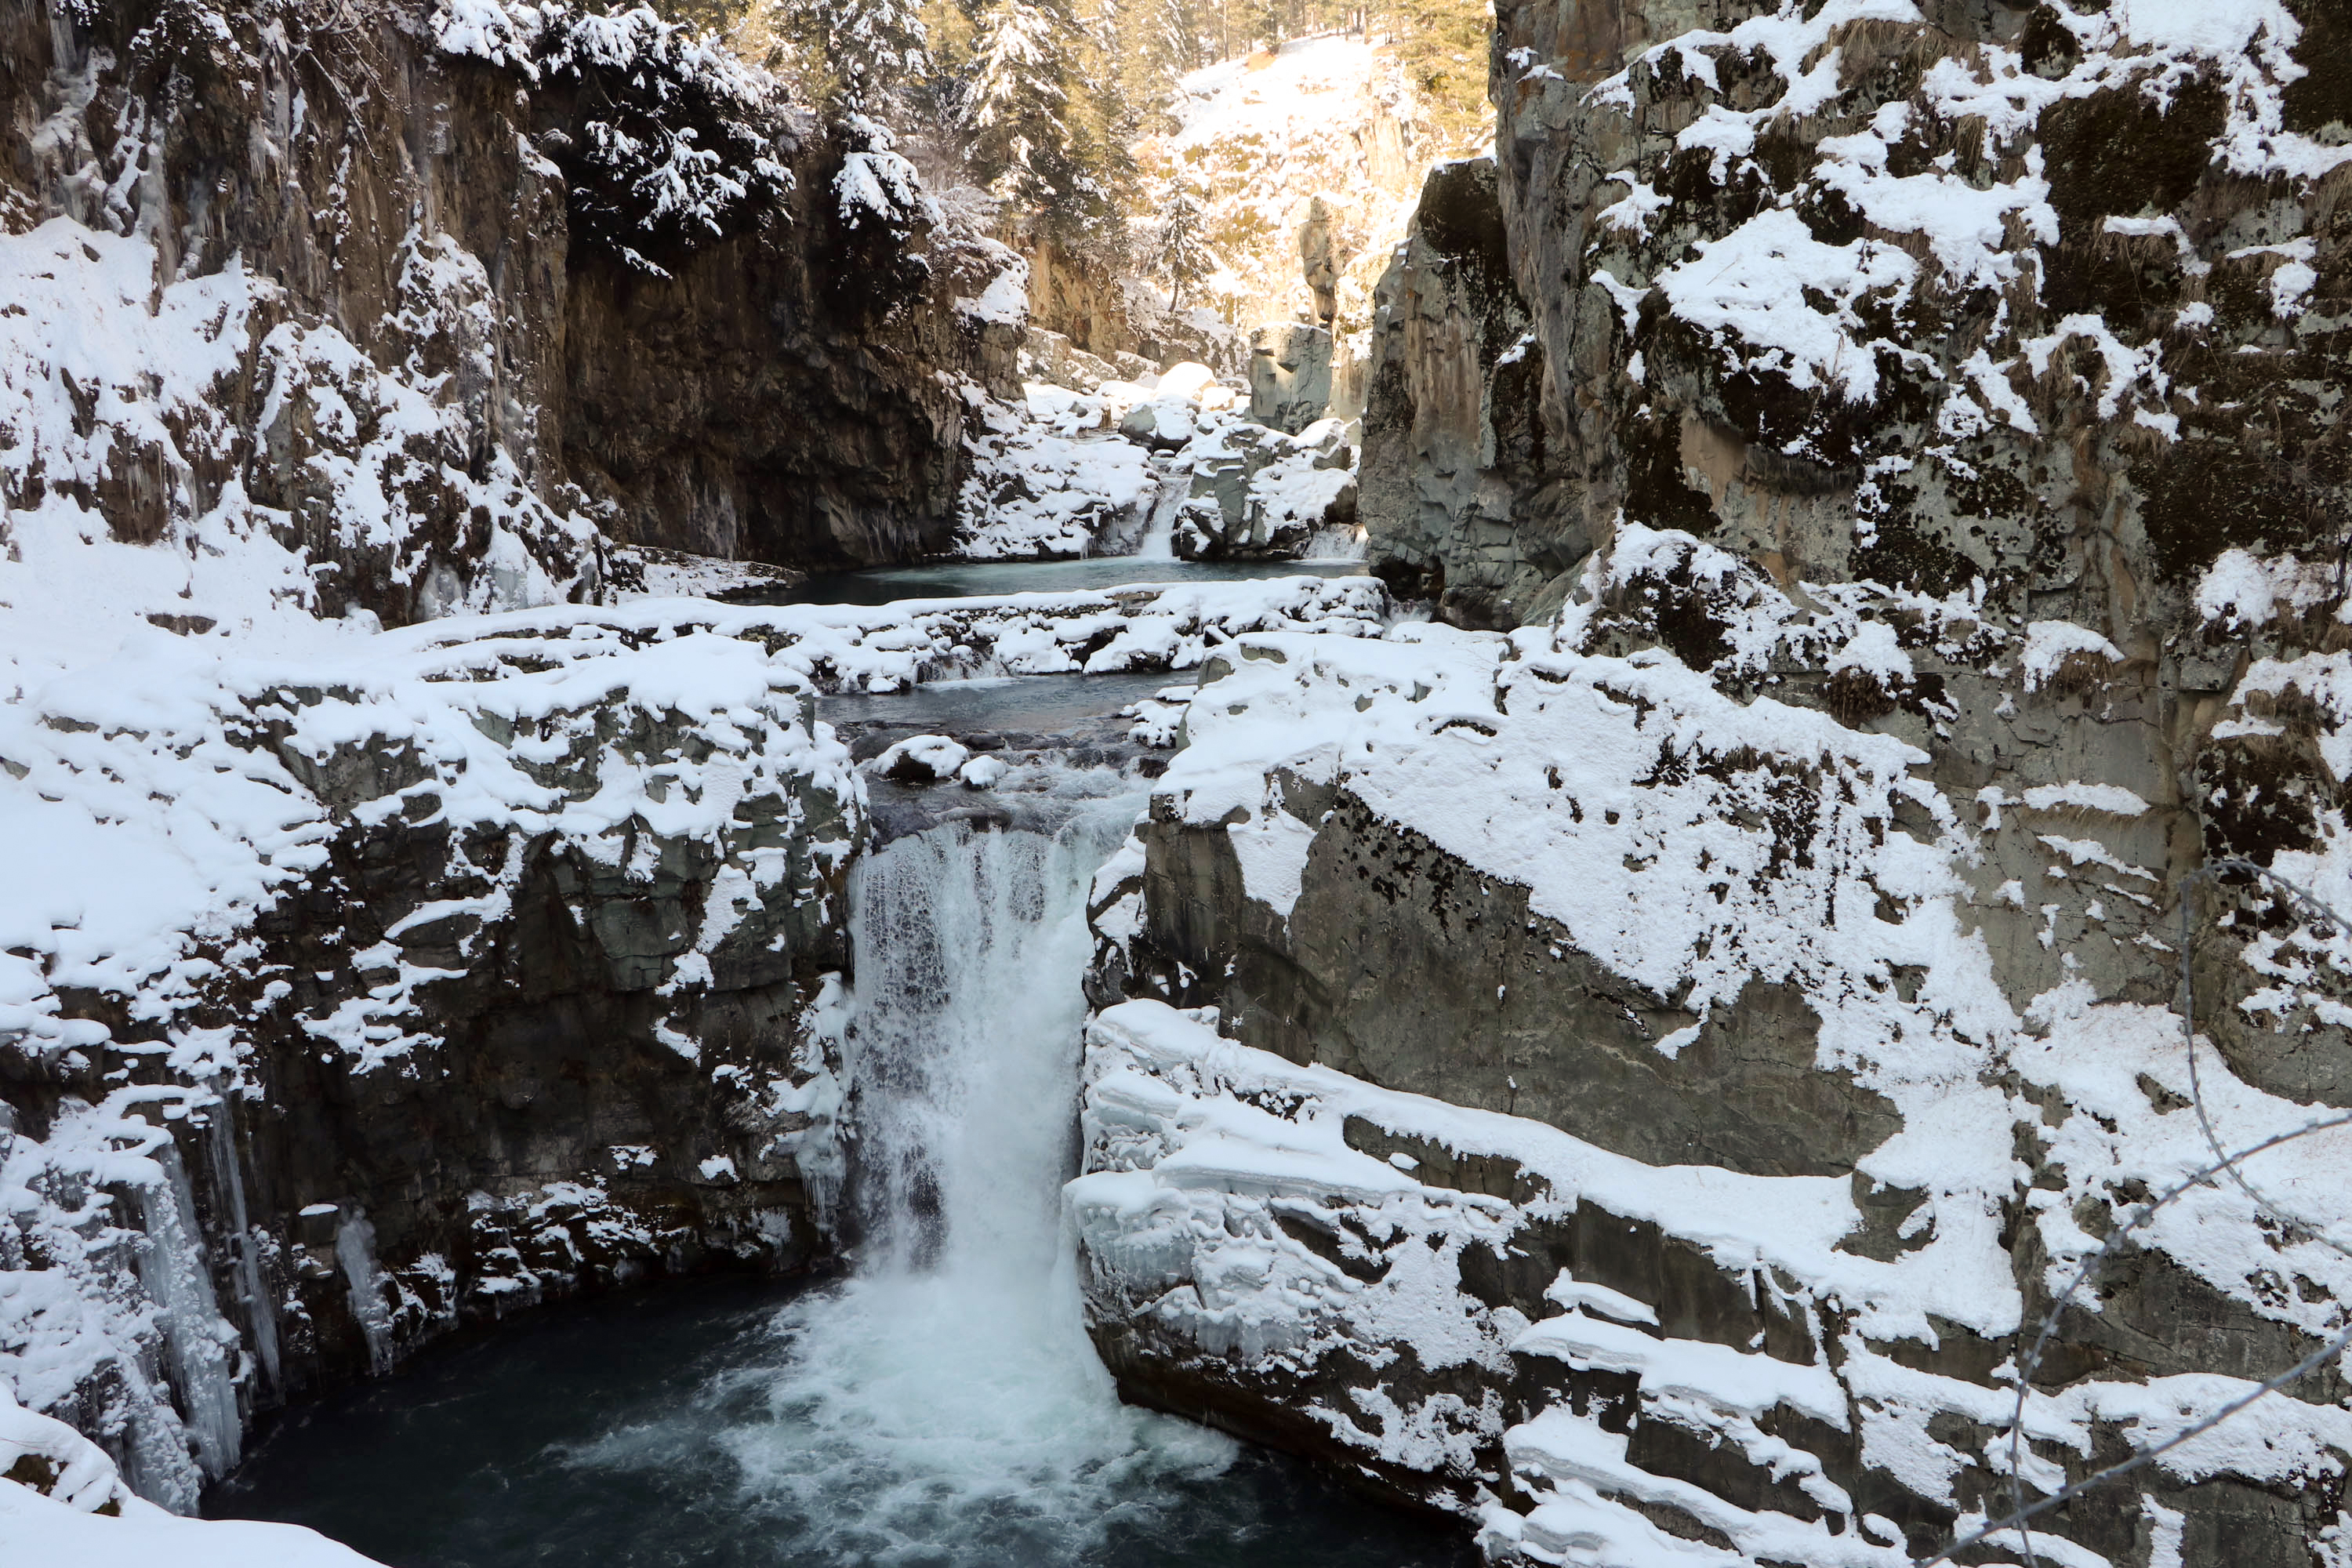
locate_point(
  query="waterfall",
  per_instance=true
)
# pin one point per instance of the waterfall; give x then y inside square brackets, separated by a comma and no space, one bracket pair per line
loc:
[944,1405]
[1175,488]
[963,1045]
[1338,542]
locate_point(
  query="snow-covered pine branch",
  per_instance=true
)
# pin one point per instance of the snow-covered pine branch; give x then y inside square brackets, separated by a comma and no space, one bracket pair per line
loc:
[674,141]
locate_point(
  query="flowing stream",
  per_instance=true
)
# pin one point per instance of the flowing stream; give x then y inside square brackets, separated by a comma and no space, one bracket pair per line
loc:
[941,1407]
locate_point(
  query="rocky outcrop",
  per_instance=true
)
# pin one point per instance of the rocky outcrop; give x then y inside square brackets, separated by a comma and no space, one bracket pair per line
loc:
[1290,376]
[515,985]
[464,313]
[1915,632]
[1653,978]
[1455,484]
[1258,494]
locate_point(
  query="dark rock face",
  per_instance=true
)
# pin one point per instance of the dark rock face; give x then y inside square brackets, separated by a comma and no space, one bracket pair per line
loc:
[773,399]
[1406,968]
[1455,454]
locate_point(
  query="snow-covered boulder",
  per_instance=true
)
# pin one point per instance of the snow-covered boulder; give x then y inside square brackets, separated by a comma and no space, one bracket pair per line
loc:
[922,760]
[1258,494]
[982,772]
[1048,483]
[1162,424]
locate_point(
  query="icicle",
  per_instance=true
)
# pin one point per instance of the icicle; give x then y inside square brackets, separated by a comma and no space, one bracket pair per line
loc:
[196,1338]
[228,1174]
[355,1247]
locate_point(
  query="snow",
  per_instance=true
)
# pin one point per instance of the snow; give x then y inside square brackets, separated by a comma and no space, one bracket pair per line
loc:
[1601,785]
[935,756]
[2112,799]
[2242,590]
[1750,287]
[2050,643]
[35,1531]
[1040,488]
[1303,484]
[1272,849]
[1005,301]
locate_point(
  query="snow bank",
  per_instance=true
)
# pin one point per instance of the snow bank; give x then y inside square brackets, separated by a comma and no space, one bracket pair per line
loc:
[35,1529]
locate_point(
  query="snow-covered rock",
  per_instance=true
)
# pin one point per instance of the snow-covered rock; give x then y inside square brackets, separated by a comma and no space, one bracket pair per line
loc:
[1048,483]
[1259,494]
[922,760]
[1718,1085]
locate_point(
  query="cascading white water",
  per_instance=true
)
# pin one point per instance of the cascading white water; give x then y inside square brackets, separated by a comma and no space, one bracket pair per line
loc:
[1175,488]
[944,1406]
[1341,542]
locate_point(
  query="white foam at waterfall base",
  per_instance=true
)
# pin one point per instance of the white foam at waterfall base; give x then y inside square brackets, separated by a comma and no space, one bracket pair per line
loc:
[944,1405]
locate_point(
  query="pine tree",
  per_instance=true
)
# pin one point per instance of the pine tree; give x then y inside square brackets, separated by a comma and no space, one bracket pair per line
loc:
[1178,247]
[1025,144]
[864,52]
[1443,46]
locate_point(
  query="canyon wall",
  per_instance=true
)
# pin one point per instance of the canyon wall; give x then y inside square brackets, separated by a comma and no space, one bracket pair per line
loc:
[1666,1058]
[585,272]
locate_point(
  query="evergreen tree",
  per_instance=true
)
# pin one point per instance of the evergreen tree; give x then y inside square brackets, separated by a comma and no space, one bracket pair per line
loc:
[863,54]
[1178,247]
[1024,143]
[1443,46]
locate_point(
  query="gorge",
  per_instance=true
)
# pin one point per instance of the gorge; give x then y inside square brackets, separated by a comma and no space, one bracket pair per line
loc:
[1603,830]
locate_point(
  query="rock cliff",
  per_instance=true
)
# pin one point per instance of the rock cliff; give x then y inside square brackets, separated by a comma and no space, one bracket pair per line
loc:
[360,983]
[1746,998]
[515,272]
